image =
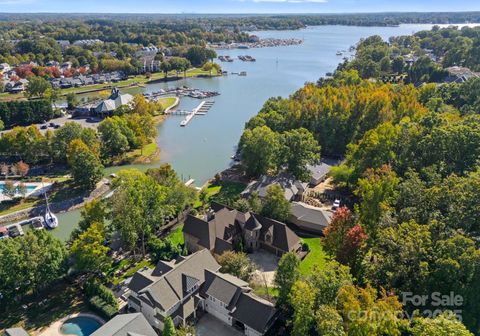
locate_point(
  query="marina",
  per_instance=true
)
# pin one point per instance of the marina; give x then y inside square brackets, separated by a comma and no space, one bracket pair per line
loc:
[261,43]
[183,91]
[201,109]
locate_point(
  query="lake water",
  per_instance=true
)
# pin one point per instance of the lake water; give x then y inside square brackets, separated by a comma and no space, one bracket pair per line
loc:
[205,146]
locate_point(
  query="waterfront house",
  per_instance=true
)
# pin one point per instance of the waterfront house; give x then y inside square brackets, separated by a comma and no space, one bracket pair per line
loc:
[293,188]
[126,325]
[309,218]
[224,228]
[181,288]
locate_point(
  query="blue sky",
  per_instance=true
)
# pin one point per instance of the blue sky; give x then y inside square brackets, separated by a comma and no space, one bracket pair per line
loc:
[235,6]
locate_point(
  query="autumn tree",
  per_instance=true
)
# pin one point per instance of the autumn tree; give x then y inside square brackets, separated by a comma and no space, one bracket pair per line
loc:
[89,250]
[299,149]
[260,149]
[85,166]
[377,191]
[275,205]
[237,264]
[302,300]
[22,168]
[139,207]
[286,275]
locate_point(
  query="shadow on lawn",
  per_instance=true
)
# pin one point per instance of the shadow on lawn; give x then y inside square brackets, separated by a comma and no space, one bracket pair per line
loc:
[41,310]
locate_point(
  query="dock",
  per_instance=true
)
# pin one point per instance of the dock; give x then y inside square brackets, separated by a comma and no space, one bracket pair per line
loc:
[201,109]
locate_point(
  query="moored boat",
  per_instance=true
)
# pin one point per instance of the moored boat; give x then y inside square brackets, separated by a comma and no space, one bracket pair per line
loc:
[49,218]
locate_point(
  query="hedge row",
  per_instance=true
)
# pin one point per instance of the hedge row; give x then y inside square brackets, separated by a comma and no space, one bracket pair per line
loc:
[102,308]
[24,113]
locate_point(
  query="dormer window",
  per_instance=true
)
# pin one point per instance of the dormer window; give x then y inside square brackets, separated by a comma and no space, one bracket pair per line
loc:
[268,237]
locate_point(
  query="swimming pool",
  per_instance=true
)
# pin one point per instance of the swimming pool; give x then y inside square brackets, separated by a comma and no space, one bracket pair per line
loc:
[79,326]
[30,188]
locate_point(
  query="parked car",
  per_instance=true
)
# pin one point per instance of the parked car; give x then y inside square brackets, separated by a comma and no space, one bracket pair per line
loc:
[336,204]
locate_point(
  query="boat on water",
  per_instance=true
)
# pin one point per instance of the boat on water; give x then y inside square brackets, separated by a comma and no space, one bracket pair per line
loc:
[37,223]
[3,232]
[243,73]
[339,53]
[49,218]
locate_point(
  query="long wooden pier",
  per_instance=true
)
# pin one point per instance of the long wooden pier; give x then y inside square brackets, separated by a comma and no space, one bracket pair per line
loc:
[201,109]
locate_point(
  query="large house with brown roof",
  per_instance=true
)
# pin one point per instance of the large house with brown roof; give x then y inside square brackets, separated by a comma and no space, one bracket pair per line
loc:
[182,287]
[224,228]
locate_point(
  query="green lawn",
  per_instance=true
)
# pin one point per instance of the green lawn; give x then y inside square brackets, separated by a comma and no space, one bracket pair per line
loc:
[316,257]
[127,269]
[167,102]
[222,192]
[176,236]
[264,292]
[148,153]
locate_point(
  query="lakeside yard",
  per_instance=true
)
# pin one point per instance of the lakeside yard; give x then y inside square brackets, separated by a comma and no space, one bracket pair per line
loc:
[223,192]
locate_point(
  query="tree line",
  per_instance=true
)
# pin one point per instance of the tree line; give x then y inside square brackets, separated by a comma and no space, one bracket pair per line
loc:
[417,58]
[84,149]
[411,165]
[21,113]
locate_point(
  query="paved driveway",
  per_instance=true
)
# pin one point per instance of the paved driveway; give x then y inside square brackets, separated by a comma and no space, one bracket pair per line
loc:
[266,263]
[210,326]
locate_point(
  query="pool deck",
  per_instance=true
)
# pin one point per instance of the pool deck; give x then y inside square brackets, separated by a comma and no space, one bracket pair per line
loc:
[38,190]
[54,328]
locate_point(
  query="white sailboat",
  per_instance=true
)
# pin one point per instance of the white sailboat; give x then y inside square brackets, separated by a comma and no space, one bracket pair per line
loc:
[51,221]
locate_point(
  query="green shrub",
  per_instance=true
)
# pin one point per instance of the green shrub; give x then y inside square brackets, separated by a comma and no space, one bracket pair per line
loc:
[163,249]
[21,113]
[95,289]
[101,307]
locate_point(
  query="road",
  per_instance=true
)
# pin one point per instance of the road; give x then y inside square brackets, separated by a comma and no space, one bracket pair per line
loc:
[83,121]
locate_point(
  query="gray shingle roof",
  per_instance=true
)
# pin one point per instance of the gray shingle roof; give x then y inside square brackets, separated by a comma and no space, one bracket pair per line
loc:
[254,312]
[288,183]
[126,325]
[202,230]
[283,237]
[227,224]
[223,287]
[169,288]
[140,280]
[314,218]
